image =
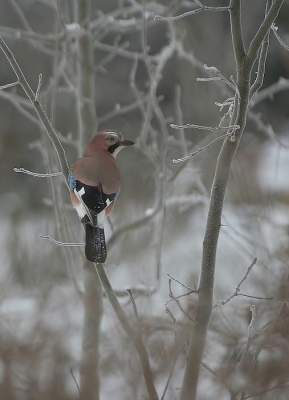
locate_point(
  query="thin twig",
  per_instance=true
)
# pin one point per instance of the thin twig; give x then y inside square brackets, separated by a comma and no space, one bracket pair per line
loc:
[38,108]
[262,61]
[251,337]
[76,383]
[27,35]
[35,174]
[178,303]
[138,291]
[121,110]
[191,12]
[61,243]
[122,52]
[268,92]
[178,160]
[173,318]
[129,291]
[170,376]
[38,88]
[179,117]
[182,284]
[255,297]
[133,225]
[207,128]
[262,32]
[237,290]
[275,29]
[219,77]
[216,375]
[267,390]
[9,85]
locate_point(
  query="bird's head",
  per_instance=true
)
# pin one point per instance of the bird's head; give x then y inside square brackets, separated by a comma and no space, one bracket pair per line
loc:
[108,139]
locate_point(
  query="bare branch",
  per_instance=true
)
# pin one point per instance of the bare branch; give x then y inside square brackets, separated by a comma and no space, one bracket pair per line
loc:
[122,110]
[268,390]
[219,77]
[255,297]
[133,225]
[61,243]
[216,375]
[138,291]
[9,85]
[250,338]
[183,285]
[262,31]
[21,15]
[222,173]
[201,148]
[76,383]
[38,108]
[35,174]
[28,35]
[262,61]
[237,290]
[38,88]
[178,303]
[268,92]
[266,129]
[275,29]
[192,12]
[207,128]
[237,32]
[122,52]
[170,375]
[131,332]
[129,291]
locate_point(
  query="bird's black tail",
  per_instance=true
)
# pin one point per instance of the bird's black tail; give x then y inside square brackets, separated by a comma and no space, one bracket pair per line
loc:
[95,246]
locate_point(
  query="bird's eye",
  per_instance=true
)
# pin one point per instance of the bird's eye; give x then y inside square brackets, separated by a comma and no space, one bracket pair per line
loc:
[111,139]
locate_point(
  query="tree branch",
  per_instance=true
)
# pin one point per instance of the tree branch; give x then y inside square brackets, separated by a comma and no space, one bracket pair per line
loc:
[38,108]
[131,332]
[263,31]
[222,173]
[236,31]
[262,60]
[93,304]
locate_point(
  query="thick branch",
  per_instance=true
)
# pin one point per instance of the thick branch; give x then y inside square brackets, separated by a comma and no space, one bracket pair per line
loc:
[89,374]
[236,31]
[222,173]
[133,334]
[86,127]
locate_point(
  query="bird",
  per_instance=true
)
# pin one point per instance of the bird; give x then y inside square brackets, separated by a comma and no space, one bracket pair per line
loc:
[94,183]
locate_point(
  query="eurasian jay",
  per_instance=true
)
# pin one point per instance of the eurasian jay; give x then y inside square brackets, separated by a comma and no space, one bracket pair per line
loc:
[94,182]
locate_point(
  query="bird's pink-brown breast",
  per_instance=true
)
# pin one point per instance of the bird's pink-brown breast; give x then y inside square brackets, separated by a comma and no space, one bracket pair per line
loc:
[98,170]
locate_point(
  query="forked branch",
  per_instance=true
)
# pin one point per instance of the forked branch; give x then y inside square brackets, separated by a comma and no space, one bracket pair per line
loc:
[244,65]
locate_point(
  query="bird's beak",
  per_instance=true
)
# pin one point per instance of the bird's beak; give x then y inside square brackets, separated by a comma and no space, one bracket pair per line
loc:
[127,143]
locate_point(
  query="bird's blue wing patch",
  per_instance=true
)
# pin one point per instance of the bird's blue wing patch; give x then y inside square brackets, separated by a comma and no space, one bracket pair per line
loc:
[117,194]
[71,181]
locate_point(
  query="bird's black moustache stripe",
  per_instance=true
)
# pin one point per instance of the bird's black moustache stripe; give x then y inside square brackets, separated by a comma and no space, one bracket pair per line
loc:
[113,147]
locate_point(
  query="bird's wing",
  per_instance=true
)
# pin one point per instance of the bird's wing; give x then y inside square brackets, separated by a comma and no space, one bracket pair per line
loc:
[89,201]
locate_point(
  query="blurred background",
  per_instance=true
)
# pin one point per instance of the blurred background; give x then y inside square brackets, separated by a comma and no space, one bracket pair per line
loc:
[146,74]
